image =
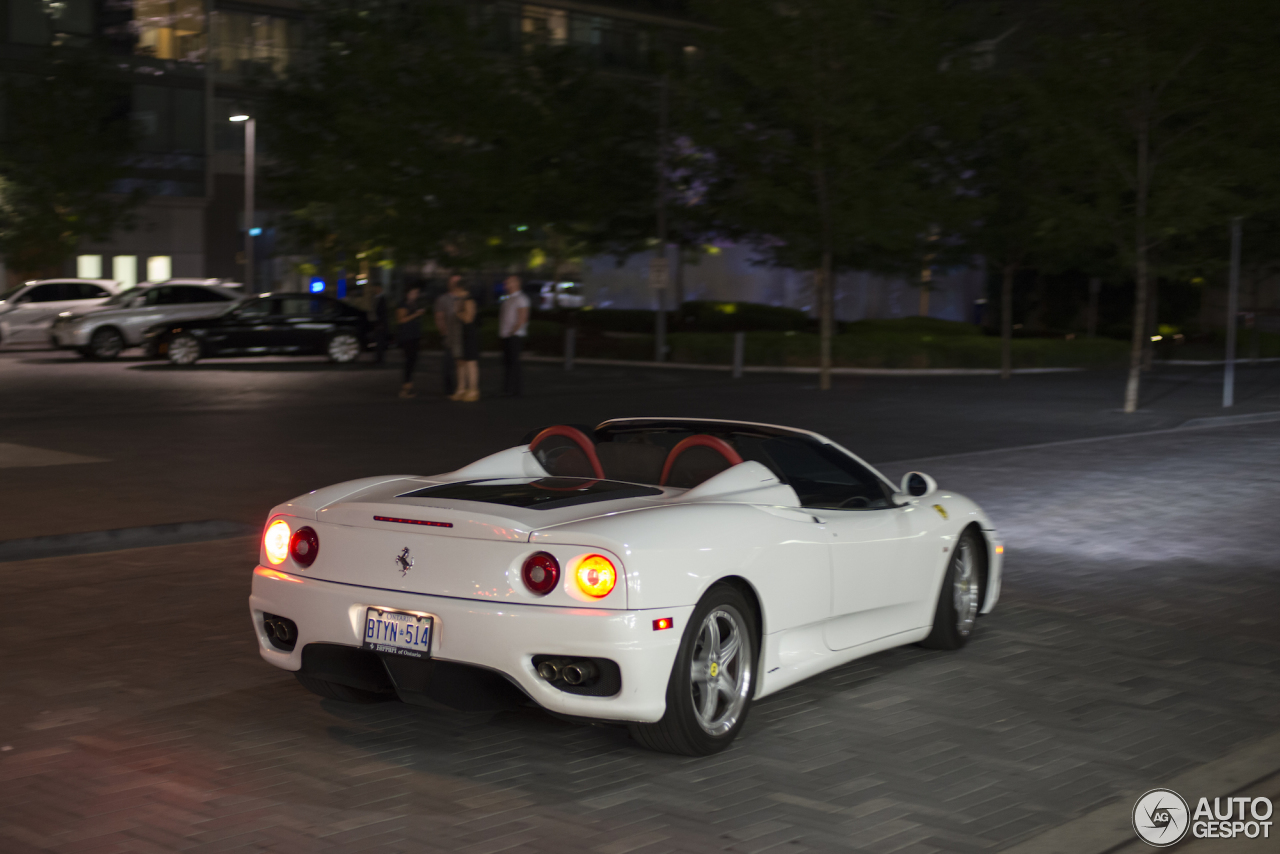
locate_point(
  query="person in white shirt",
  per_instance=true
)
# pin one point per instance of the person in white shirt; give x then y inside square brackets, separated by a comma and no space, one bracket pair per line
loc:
[513,326]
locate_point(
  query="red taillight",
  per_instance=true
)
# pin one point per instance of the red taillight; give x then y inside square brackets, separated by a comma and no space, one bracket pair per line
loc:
[304,545]
[541,573]
[663,623]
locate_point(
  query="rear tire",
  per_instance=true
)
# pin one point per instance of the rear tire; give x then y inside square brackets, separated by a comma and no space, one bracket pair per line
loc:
[184,349]
[343,348]
[712,681]
[106,344]
[344,693]
[960,598]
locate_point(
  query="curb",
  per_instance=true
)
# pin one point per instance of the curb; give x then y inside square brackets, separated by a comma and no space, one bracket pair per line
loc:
[780,369]
[1109,829]
[1194,424]
[88,542]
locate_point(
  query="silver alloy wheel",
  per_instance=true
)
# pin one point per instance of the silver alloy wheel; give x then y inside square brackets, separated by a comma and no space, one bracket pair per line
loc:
[720,672]
[965,588]
[107,344]
[184,350]
[344,348]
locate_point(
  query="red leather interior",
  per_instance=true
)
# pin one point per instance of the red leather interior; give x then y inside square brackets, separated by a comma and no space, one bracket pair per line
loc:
[720,446]
[580,461]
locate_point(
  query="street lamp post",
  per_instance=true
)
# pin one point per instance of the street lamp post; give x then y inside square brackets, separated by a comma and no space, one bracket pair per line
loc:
[250,134]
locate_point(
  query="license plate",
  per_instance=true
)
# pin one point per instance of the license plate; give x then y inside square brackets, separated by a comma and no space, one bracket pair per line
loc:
[397,632]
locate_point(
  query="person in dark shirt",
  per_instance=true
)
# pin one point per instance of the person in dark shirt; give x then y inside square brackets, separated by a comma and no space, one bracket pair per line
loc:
[380,313]
[409,335]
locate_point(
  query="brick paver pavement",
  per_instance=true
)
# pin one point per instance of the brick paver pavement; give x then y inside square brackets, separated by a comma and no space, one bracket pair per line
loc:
[1137,638]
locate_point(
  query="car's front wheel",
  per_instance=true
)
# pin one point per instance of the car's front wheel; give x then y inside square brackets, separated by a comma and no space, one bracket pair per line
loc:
[343,348]
[714,677]
[184,349]
[960,597]
[106,344]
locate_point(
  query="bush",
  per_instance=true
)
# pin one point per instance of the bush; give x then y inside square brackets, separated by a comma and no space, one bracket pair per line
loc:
[706,316]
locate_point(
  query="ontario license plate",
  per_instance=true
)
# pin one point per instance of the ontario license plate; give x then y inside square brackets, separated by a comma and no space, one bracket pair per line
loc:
[397,632]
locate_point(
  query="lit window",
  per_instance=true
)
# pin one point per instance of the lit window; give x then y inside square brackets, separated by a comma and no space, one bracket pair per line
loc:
[89,266]
[248,43]
[170,29]
[159,268]
[124,269]
[545,26]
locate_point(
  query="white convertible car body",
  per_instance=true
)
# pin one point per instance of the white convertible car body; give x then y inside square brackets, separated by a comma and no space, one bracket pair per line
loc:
[835,561]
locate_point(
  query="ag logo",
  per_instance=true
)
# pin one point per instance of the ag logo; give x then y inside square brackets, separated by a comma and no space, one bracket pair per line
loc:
[404,561]
[1160,818]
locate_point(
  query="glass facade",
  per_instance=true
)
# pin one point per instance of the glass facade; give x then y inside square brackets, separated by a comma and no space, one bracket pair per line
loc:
[248,44]
[170,29]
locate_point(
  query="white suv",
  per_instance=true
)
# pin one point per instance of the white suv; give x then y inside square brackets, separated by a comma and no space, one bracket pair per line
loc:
[27,311]
[102,331]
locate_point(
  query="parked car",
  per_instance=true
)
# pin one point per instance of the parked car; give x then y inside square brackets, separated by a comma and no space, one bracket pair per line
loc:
[274,323]
[27,311]
[561,295]
[660,573]
[104,331]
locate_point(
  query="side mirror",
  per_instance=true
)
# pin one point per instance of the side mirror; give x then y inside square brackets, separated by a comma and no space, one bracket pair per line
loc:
[917,485]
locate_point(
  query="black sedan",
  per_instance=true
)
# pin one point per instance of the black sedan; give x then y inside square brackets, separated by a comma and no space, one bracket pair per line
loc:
[268,324]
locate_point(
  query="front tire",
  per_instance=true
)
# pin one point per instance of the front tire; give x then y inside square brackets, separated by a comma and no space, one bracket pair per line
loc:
[343,348]
[712,681]
[344,693]
[960,597]
[106,344]
[184,349]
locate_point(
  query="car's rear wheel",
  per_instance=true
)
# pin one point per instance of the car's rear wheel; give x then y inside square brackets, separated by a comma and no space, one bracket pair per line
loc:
[184,349]
[106,344]
[334,691]
[713,679]
[960,597]
[343,348]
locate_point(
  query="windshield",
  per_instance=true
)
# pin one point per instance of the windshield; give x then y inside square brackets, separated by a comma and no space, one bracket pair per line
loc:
[122,297]
[11,292]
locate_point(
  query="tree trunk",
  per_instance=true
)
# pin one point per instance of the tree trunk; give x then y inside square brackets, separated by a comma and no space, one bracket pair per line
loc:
[827,321]
[1254,343]
[1134,384]
[1006,321]
[1152,325]
[678,280]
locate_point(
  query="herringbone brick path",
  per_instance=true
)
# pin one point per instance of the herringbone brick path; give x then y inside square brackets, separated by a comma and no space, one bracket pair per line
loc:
[1136,639]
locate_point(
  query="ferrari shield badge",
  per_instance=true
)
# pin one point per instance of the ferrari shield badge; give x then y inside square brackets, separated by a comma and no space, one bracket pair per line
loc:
[942,511]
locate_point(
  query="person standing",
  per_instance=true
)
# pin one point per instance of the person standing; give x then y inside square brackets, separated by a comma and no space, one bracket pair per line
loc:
[513,326]
[446,313]
[469,327]
[409,335]
[380,314]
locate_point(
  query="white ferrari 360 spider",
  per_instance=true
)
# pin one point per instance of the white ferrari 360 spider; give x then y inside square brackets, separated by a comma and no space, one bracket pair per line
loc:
[657,572]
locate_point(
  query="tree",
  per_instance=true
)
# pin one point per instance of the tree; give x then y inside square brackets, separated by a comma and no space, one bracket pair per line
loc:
[1027,182]
[66,144]
[417,131]
[1148,89]
[823,118]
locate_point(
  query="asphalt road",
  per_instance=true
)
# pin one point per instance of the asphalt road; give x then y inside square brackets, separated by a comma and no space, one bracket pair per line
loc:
[1136,639]
[229,439]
